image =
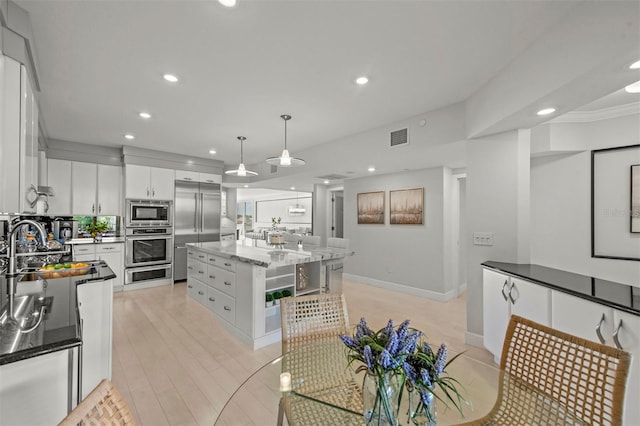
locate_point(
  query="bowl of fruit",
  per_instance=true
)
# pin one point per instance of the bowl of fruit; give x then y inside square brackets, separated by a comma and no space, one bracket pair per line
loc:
[60,270]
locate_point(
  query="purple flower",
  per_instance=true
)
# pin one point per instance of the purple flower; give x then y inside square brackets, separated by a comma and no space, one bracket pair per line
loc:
[402,330]
[349,341]
[411,373]
[424,376]
[385,360]
[368,357]
[410,343]
[386,332]
[362,330]
[426,349]
[441,359]
[392,344]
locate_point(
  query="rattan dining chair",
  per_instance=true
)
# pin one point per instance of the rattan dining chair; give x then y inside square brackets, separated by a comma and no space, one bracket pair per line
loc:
[316,369]
[103,406]
[551,377]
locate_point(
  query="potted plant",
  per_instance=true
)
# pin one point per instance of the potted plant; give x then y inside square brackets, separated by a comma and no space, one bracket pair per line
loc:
[269,300]
[277,295]
[286,293]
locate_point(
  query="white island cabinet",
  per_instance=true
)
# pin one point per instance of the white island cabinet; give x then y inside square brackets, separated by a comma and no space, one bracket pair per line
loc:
[235,281]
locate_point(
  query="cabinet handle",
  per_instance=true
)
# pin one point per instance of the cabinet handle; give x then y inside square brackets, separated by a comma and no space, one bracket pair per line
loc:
[513,285]
[93,208]
[212,259]
[598,330]
[506,299]
[200,256]
[226,308]
[211,299]
[213,277]
[190,267]
[153,192]
[187,178]
[201,293]
[99,208]
[147,191]
[615,335]
[209,180]
[201,272]
[227,264]
[227,283]
[189,286]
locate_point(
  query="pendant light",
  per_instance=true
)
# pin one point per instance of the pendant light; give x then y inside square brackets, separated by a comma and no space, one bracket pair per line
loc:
[285,160]
[241,171]
[298,209]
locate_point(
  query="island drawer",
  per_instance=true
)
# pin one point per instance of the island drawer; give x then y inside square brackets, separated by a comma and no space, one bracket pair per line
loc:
[221,304]
[197,269]
[197,291]
[222,262]
[108,248]
[196,255]
[222,280]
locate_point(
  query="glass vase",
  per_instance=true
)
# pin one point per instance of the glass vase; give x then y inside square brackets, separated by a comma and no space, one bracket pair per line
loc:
[422,408]
[381,398]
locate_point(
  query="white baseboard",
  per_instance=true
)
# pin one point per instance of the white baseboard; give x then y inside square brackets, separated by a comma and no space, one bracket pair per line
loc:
[474,339]
[433,295]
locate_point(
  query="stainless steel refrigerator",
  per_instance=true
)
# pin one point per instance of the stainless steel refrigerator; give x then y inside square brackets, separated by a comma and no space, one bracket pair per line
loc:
[196,219]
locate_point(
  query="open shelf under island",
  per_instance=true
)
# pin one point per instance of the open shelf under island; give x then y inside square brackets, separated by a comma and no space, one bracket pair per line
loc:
[233,281]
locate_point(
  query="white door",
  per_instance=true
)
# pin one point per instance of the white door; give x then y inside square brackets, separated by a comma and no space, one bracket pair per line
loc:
[162,183]
[495,310]
[137,182]
[531,301]
[84,186]
[59,178]
[581,317]
[109,183]
[629,339]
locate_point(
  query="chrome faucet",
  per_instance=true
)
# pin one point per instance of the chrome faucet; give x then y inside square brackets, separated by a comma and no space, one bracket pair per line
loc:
[12,275]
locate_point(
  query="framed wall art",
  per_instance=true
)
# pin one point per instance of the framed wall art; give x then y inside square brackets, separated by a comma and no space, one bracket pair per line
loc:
[406,206]
[371,208]
[635,198]
[615,203]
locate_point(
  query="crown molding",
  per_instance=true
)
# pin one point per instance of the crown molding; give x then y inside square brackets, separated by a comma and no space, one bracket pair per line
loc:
[601,114]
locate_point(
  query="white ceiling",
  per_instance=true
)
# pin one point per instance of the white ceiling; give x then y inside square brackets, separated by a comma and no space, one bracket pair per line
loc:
[100,62]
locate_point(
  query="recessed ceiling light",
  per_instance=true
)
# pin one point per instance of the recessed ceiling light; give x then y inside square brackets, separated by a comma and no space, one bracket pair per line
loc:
[293,188]
[326,182]
[372,169]
[144,115]
[246,186]
[228,3]
[635,65]
[189,161]
[129,136]
[212,151]
[170,78]
[546,111]
[633,88]
[362,80]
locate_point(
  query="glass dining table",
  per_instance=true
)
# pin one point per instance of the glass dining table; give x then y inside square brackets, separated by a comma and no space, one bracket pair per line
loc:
[314,385]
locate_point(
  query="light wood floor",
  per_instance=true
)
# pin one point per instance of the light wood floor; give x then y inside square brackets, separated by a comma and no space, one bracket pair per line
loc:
[175,364]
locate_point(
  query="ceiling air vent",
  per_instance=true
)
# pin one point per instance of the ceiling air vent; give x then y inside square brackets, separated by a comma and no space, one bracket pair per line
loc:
[400,137]
[274,169]
[332,177]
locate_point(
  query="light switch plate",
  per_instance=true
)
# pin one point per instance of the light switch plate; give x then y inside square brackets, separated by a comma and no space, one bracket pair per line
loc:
[483,238]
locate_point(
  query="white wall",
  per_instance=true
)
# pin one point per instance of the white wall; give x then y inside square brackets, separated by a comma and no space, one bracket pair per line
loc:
[561,200]
[410,258]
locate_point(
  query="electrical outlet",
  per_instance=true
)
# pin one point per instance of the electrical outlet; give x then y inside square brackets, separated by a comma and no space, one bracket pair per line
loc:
[483,238]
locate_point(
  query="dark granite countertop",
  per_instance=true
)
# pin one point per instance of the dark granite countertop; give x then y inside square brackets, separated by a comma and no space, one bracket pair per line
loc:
[60,328]
[610,293]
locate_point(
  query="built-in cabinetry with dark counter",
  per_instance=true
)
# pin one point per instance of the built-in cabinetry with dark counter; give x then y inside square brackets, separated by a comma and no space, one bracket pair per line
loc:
[41,372]
[592,308]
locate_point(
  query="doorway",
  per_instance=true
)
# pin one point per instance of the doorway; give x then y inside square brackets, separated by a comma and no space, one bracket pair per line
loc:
[337,214]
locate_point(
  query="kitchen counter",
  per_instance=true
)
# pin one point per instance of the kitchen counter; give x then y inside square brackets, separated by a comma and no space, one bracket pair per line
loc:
[270,257]
[60,328]
[616,295]
[77,241]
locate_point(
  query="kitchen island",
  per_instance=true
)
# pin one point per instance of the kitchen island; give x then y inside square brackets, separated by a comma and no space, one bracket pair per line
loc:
[241,285]
[43,372]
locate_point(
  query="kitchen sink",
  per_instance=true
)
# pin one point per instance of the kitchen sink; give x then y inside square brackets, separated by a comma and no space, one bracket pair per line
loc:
[26,313]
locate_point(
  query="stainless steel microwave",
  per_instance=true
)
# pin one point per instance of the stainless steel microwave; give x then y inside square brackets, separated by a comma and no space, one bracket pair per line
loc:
[147,213]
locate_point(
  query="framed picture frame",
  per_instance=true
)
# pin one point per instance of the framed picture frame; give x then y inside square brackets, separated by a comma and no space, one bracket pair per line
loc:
[406,206]
[615,203]
[371,208]
[634,219]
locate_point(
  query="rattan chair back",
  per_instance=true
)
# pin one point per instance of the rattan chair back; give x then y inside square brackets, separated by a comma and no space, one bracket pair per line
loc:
[103,406]
[306,319]
[552,377]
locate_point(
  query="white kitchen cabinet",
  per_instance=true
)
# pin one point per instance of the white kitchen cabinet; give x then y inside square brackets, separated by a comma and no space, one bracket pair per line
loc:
[59,178]
[18,139]
[113,254]
[95,189]
[95,300]
[197,177]
[599,323]
[503,296]
[149,183]
[84,252]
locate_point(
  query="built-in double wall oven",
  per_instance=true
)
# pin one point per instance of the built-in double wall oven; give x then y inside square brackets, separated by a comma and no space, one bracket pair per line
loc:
[148,245]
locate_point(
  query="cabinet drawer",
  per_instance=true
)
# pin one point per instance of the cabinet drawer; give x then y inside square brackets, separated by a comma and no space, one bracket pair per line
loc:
[108,248]
[221,304]
[82,249]
[197,290]
[196,255]
[197,270]
[222,280]
[222,262]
